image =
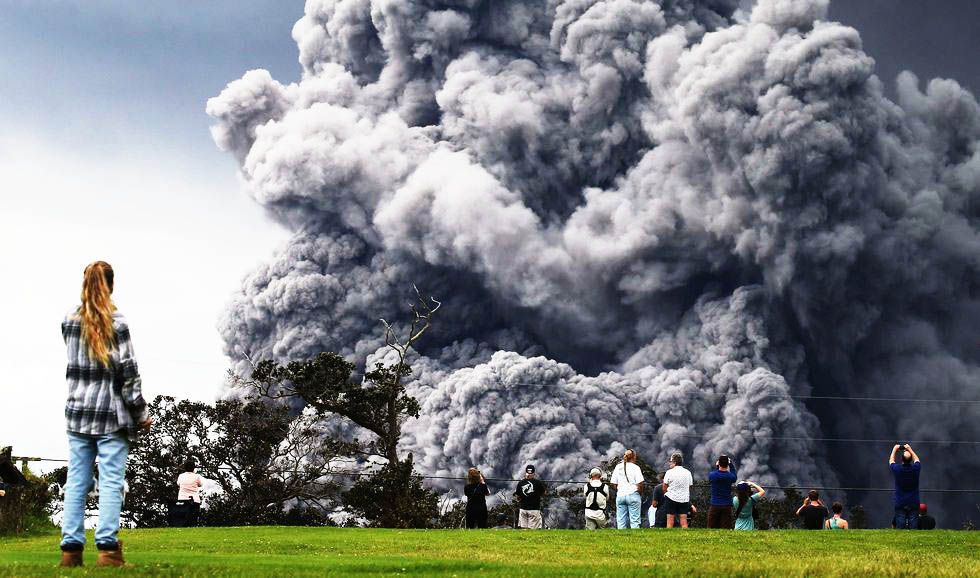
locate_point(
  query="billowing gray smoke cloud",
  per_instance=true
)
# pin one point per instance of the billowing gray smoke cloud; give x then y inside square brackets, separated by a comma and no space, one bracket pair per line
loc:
[650,222]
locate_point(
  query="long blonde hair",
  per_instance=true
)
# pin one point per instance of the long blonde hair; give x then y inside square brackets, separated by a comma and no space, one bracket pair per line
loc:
[96,310]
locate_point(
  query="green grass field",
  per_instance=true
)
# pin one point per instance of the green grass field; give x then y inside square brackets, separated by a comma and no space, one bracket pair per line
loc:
[287,552]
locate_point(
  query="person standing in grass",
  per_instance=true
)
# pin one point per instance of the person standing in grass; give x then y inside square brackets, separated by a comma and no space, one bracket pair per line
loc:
[596,492]
[104,411]
[906,477]
[189,484]
[744,502]
[476,492]
[836,522]
[812,511]
[529,492]
[722,478]
[677,491]
[627,479]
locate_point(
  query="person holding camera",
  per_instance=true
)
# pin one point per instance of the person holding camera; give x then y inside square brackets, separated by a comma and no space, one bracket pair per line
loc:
[722,478]
[529,492]
[744,504]
[812,511]
[476,492]
[906,476]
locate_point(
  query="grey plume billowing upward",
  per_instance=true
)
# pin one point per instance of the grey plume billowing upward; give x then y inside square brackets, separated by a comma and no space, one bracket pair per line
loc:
[665,213]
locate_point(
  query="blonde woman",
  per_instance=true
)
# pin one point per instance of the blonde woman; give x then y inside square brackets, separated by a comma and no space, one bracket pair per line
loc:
[104,410]
[627,480]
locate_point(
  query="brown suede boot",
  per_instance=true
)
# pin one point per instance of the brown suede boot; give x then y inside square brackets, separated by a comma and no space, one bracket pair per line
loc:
[111,557]
[71,559]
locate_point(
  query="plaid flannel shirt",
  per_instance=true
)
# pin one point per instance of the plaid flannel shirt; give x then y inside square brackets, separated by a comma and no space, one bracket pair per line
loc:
[102,400]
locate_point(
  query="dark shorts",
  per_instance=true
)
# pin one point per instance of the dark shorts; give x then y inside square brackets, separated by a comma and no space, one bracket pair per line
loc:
[677,508]
[720,517]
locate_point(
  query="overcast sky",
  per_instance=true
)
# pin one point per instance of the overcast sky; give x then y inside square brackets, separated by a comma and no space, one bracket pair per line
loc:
[105,154]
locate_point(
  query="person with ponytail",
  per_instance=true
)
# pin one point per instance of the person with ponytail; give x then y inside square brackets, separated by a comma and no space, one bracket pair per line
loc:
[104,411]
[627,480]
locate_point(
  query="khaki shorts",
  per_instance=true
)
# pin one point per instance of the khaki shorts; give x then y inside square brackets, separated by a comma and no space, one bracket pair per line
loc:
[595,523]
[530,519]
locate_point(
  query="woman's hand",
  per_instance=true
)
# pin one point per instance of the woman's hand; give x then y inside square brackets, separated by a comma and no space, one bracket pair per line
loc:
[146,423]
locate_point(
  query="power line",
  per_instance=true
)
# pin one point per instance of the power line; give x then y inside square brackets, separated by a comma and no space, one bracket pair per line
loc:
[806,397]
[564,482]
[799,438]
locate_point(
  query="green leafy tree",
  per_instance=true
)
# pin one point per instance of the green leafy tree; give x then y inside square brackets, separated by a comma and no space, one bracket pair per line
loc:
[259,454]
[378,403]
[395,498]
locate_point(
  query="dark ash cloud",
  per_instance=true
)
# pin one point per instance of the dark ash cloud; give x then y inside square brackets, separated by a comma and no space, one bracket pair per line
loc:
[668,216]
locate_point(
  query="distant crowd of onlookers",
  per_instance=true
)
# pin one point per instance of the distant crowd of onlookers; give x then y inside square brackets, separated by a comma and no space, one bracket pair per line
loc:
[733,503]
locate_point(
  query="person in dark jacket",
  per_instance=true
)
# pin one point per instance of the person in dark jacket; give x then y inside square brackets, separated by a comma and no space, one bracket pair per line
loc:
[476,491]
[926,522]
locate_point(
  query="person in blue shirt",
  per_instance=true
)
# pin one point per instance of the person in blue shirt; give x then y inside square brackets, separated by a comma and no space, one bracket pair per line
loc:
[906,477]
[721,479]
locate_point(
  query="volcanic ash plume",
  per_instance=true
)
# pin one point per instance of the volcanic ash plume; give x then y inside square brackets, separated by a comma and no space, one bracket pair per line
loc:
[651,222]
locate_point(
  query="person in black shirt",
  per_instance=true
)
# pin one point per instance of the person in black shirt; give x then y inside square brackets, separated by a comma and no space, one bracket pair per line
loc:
[926,522]
[659,504]
[529,492]
[476,491]
[812,511]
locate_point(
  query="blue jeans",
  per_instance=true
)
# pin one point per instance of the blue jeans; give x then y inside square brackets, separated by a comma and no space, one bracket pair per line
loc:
[907,518]
[628,511]
[112,450]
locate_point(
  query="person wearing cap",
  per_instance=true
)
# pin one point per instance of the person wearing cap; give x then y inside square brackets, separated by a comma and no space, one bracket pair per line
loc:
[627,479]
[529,492]
[722,478]
[926,522]
[595,501]
[677,490]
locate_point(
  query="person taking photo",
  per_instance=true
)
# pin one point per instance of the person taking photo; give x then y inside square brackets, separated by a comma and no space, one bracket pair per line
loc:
[813,512]
[906,476]
[722,478]
[529,492]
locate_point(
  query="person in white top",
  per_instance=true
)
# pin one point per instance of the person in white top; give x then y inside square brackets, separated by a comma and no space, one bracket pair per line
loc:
[627,479]
[677,491]
[189,483]
[595,501]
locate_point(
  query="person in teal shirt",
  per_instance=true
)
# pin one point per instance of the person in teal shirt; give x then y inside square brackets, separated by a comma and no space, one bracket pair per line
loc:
[836,523]
[744,495]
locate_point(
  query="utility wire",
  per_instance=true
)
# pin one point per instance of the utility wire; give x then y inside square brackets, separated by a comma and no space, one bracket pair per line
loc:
[806,397]
[563,482]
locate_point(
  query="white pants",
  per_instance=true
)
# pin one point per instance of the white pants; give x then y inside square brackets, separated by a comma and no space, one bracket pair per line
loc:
[530,519]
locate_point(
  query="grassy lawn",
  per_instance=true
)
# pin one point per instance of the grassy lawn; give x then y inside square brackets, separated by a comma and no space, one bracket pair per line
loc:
[287,552]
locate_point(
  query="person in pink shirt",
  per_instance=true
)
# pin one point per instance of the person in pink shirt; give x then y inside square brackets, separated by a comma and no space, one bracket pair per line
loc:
[190,482]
